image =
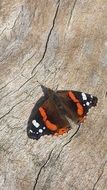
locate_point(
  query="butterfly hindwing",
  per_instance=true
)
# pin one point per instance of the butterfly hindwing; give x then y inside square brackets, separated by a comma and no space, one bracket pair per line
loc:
[47,120]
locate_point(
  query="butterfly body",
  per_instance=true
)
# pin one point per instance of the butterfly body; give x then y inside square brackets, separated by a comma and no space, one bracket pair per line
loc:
[52,112]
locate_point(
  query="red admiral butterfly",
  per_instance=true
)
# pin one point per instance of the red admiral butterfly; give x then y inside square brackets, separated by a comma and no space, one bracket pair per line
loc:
[52,112]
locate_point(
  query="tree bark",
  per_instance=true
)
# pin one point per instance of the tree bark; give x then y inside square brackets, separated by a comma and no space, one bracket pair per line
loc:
[62,44]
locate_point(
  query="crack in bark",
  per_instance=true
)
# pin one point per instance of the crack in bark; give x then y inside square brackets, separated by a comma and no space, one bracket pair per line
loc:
[71,14]
[10,29]
[16,19]
[32,18]
[36,181]
[43,53]
[23,84]
[8,83]
[9,53]
[16,105]
[48,38]
[11,109]
[6,57]
[68,141]
[37,178]
[13,92]
[27,60]
[99,176]
[6,150]
[3,31]
[5,95]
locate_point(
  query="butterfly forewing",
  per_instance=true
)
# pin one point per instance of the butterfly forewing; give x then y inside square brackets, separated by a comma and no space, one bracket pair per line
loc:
[77,99]
[86,100]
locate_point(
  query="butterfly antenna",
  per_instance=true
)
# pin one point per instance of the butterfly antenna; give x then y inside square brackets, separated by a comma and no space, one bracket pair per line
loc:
[39,83]
[42,86]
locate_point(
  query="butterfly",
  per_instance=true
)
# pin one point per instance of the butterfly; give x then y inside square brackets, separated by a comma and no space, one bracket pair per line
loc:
[53,111]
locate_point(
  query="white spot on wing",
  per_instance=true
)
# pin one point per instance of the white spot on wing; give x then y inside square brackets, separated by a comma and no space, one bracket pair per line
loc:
[87,103]
[30,131]
[35,123]
[44,127]
[84,96]
[40,131]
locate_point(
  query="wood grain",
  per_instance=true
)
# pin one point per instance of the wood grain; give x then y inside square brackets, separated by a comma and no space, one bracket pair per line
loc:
[63,45]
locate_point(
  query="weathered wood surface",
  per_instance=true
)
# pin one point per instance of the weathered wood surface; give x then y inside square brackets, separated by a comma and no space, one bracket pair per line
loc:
[62,44]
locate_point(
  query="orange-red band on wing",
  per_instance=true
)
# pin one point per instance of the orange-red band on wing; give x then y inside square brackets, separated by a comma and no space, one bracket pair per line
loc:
[48,124]
[43,114]
[80,109]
